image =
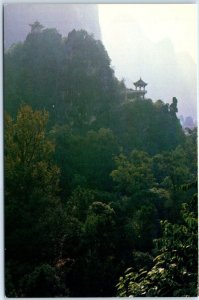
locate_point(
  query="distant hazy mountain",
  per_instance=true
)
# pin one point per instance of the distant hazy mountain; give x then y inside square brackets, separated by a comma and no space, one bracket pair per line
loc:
[168,74]
[63,17]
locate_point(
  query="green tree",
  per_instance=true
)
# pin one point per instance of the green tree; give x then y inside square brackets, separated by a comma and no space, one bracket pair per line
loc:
[147,126]
[79,202]
[134,174]
[37,68]
[68,156]
[174,272]
[86,160]
[145,226]
[173,106]
[44,281]
[99,149]
[100,236]
[171,169]
[34,218]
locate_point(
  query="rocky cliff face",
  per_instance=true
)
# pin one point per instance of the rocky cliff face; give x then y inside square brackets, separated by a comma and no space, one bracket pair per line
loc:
[63,17]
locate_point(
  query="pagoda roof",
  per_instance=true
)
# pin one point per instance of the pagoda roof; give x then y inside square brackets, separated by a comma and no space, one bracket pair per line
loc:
[140,83]
[36,24]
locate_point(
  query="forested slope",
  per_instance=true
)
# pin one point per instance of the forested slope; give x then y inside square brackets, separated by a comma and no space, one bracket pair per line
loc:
[93,180]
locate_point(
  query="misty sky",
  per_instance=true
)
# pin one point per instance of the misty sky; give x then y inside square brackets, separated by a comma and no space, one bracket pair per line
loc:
[151,41]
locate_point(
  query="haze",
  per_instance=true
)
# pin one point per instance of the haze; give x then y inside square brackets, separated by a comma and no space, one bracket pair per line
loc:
[157,43]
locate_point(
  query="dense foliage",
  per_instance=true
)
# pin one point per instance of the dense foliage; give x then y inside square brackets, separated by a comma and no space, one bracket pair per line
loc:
[174,270]
[94,183]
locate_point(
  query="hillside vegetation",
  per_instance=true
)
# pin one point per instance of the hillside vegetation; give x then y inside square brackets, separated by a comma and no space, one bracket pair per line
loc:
[100,192]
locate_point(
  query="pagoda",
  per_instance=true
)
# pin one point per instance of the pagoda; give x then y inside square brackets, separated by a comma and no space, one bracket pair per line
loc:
[36,27]
[139,89]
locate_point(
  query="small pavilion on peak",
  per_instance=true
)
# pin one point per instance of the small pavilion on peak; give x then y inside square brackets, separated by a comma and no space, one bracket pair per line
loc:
[139,91]
[140,84]
[36,27]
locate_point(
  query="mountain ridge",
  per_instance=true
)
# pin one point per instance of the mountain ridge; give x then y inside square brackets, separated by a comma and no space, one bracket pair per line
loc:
[63,17]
